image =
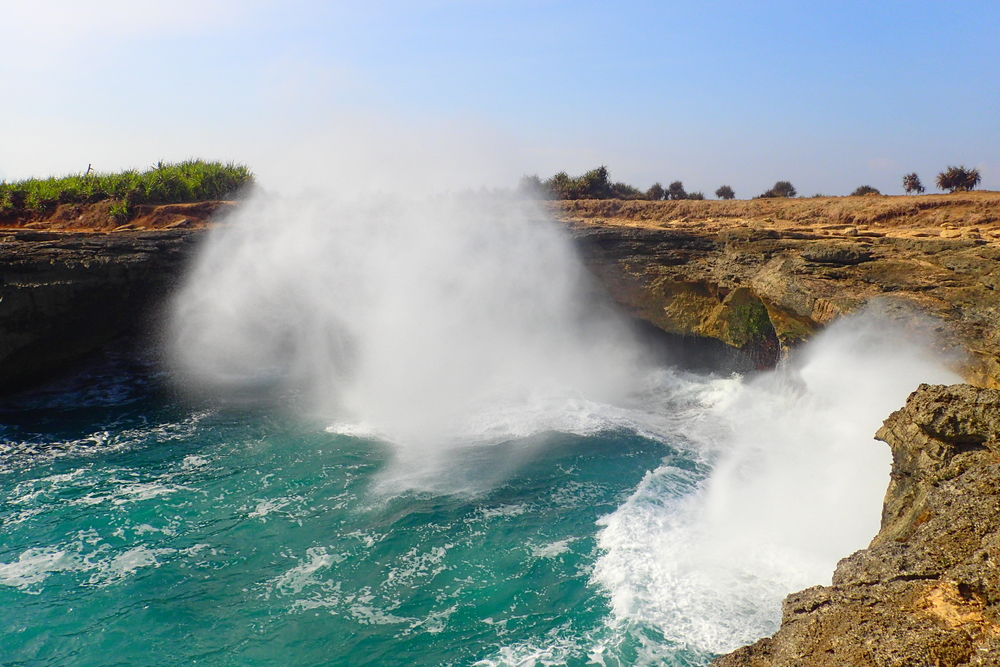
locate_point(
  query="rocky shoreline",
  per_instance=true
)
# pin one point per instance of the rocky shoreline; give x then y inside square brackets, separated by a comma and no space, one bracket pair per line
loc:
[73,281]
[762,281]
[927,589]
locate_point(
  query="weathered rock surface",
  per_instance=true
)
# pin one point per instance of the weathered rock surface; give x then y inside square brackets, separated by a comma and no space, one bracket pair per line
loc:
[64,294]
[927,589]
[762,277]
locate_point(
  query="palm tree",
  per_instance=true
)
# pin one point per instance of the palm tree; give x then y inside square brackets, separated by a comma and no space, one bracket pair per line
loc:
[958,179]
[911,183]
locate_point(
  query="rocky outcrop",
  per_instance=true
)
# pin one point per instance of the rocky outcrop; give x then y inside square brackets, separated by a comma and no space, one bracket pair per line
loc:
[64,294]
[927,589]
[74,278]
[764,283]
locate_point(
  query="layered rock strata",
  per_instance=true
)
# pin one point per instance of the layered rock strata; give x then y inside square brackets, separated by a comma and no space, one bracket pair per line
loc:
[64,294]
[764,283]
[927,589]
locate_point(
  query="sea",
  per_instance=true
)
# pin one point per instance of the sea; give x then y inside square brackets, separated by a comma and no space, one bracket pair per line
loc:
[363,451]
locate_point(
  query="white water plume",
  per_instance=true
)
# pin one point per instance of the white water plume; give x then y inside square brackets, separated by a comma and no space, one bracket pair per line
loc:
[402,316]
[796,484]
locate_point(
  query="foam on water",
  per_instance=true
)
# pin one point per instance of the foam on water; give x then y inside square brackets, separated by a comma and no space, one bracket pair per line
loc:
[796,484]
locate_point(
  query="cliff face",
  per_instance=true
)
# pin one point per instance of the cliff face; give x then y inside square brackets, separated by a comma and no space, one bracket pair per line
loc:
[762,277]
[67,288]
[927,589]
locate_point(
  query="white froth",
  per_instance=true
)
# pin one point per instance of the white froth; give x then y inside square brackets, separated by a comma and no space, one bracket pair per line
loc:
[797,484]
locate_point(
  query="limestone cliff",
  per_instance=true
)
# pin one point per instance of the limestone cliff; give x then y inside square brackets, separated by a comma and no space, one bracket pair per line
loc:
[927,589]
[764,275]
[69,283]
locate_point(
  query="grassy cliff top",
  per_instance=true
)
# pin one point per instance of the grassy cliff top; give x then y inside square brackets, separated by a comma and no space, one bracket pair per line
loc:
[165,183]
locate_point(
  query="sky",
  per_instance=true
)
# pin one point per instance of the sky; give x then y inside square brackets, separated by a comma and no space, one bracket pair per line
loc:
[439,95]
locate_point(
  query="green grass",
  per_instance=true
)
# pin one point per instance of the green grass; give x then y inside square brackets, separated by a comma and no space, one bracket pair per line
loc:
[166,183]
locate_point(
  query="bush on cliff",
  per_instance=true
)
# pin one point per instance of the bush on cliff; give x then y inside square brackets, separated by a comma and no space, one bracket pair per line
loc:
[165,183]
[865,190]
[780,189]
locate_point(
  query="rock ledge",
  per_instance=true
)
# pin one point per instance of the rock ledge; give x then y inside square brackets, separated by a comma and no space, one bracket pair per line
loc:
[927,589]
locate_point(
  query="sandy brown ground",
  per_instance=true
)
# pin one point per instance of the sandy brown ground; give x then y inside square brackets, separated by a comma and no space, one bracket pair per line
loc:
[96,217]
[961,215]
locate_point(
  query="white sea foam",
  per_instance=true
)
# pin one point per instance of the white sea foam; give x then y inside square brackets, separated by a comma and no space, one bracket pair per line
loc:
[15,453]
[797,484]
[35,565]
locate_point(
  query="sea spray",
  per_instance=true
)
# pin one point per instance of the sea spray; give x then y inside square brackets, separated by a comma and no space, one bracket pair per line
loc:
[413,319]
[796,484]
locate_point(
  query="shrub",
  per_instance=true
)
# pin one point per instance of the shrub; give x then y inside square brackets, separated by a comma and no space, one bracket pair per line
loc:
[655,192]
[592,185]
[192,180]
[865,190]
[725,192]
[696,195]
[911,183]
[958,179]
[780,189]
[561,186]
[533,187]
[595,185]
[676,191]
[625,191]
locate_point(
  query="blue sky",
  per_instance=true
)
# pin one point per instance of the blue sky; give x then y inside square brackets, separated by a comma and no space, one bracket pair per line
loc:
[439,94]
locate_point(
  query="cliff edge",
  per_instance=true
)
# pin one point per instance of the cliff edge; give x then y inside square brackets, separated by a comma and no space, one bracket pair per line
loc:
[764,275]
[927,589]
[73,280]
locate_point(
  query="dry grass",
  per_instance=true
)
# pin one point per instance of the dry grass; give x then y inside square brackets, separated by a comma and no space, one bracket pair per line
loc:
[875,213]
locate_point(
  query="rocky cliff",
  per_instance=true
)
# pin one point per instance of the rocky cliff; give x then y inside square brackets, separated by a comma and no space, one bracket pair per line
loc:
[927,589]
[764,275]
[72,281]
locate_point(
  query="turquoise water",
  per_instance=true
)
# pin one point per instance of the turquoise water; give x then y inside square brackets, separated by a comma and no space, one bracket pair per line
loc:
[539,528]
[137,530]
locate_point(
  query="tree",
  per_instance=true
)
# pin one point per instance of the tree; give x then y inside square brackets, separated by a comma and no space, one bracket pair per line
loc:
[780,189]
[958,179]
[655,192]
[865,190]
[725,192]
[696,195]
[561,186]
[621,190]
[533,187]
[911,183]
[676,191]
[595,185]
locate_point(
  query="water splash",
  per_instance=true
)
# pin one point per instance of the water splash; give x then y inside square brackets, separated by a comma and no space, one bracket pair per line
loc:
[409,317]
[796,484]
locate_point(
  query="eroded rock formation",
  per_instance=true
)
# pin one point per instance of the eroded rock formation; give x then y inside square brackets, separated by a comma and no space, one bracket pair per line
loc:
[66,287]
[764,277]
[927,589]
